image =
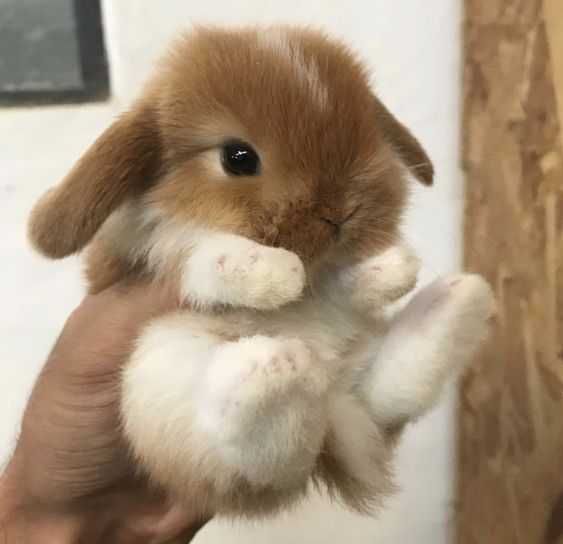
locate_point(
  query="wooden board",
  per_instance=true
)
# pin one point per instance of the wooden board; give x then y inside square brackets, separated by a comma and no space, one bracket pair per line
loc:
[510,477]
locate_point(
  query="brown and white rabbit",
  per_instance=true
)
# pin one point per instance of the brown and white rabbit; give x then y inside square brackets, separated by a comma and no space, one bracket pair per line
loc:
[259,172]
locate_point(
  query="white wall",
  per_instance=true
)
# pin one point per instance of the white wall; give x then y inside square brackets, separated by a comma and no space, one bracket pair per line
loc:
[414,53]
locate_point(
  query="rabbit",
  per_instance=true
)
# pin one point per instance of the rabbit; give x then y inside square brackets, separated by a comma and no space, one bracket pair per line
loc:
[258,173]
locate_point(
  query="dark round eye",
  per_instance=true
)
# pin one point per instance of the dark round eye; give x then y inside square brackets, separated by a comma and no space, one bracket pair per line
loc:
[239,159]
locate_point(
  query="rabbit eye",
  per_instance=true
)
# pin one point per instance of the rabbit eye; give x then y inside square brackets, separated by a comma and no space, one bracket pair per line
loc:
[239,159]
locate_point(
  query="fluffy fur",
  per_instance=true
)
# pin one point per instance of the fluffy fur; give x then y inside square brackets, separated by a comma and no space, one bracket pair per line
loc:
[285,368]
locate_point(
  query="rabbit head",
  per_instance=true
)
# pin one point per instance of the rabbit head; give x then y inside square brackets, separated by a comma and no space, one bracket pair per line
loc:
[269,133]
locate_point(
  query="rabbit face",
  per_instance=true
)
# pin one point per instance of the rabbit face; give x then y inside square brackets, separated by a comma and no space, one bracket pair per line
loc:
[273,134]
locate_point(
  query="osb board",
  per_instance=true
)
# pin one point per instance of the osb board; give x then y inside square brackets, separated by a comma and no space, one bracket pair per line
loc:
[553,16]
[510,478]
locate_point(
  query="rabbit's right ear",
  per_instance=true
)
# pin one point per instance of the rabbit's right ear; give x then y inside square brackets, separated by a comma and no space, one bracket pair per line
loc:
[120,164]
[407,147]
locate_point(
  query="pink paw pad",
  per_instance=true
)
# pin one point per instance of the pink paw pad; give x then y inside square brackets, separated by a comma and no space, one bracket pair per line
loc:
[221,261]
[454,281]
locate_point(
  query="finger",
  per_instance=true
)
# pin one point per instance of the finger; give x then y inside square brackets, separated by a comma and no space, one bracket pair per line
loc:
[100,333]
[160,521]
[176,528]
[186,536]
[131,302]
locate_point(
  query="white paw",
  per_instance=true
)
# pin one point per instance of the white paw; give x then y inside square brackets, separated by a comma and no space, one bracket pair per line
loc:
[233,270]
[435,335]
[261,373]
[385,278]
[262,277]
[264,407]
[462,304]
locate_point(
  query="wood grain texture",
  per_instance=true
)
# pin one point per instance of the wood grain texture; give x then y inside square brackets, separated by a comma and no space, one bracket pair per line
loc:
[511,412]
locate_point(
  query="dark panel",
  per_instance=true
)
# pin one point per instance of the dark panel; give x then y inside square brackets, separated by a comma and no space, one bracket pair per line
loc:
[51,51]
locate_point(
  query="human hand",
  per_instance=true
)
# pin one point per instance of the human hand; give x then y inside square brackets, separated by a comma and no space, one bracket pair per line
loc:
[71,474]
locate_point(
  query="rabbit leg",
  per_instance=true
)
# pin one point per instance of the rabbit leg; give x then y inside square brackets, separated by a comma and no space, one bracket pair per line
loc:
[253,408]
[159,389]
[437,333]
[233,270]
[264,405]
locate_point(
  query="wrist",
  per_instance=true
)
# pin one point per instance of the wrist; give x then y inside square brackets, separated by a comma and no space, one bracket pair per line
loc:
[24,527]
[114,518]
[22,523]
[25,521]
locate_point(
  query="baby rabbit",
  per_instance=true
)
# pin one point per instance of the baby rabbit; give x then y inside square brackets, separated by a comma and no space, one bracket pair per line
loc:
[259,173]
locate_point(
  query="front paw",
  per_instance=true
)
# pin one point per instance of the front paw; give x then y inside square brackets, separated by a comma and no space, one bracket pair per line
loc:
[232,270]
[261,277]
[384,278]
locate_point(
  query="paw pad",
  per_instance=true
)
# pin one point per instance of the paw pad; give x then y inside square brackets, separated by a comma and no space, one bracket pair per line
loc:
[221,261]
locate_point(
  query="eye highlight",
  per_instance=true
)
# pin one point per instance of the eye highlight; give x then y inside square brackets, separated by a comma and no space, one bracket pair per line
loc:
[239,159]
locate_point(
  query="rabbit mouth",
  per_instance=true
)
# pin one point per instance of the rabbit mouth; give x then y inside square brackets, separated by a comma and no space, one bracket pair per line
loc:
[337,225]
[351,214]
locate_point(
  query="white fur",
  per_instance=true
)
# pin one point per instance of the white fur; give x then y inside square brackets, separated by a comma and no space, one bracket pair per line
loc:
[229,269]
[356,436]
[379,280]
[253,394]
[140,232]
[264,405]
[216,268]
[435,335]
[159,387]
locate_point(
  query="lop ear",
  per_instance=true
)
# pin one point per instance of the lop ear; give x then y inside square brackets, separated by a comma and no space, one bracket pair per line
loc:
[120,164]
[405,144]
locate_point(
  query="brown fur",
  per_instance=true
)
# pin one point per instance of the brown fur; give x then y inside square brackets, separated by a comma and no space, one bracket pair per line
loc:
[317,163]
[104,267]
[405,144]
[331,477]
[121,163]
[320,162]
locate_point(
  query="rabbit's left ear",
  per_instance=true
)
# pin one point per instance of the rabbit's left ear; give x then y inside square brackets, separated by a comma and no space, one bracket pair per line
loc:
[119,165]
[407,147]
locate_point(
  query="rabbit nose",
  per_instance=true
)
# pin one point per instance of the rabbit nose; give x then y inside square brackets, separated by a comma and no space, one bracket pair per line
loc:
[338,222]
[329,214]
[335,225]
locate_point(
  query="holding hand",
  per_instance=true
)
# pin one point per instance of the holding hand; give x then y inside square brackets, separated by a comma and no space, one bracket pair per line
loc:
[70,474]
